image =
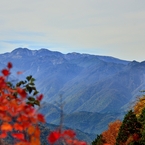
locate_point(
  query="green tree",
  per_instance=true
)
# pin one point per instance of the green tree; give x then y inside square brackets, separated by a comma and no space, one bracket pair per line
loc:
[142,121]
[99,140]
[130,127]
[139,105]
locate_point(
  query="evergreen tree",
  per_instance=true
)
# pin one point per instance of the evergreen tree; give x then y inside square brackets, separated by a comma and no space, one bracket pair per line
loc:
[129,127]
[99,140]
[142,121]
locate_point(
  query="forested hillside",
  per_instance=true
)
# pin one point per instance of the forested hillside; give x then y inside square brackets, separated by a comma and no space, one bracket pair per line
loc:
[130,131]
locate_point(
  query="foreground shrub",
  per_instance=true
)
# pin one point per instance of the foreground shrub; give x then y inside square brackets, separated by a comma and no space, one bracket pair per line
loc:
[130,128]
[19,116]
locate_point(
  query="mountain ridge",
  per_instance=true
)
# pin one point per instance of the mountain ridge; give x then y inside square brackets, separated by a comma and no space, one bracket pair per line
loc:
[90,83]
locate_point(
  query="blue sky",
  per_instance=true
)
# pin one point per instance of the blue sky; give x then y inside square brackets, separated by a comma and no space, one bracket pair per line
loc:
[103,27]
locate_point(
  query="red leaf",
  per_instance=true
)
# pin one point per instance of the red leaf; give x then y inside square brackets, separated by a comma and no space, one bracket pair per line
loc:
[13,112]
[18,135]
[3,135]
[82,143]
[18,127]
[5,72]
[39,98]
[40,118]
[53,137]
[69,133]
[69,141]
[2,82]
[22,92]
[76,142]
[9,65]
[3,108]
[6,118]
[135,137]
[22,118]
[26,124]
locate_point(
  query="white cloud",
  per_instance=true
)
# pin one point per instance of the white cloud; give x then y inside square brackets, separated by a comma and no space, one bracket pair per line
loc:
[108,27]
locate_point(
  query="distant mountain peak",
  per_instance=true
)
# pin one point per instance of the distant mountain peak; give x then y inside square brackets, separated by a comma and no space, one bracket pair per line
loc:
[134,63]
[25,51]
[18,52]
[20,49]
[44,49]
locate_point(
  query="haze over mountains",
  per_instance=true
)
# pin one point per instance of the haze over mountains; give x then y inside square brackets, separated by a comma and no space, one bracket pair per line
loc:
[96,89]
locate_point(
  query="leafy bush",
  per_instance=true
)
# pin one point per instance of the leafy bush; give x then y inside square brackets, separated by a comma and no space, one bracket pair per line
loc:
[19,115]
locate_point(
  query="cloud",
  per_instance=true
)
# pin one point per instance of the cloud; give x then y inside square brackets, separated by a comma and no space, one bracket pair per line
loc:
[95,26]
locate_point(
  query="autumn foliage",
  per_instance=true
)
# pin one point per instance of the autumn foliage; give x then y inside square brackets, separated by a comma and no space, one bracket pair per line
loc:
[19,118]
[67,136]
[112,132]
[131,131]
[139,105]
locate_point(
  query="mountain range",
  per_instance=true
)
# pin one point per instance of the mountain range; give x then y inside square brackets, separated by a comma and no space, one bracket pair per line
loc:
[95,89]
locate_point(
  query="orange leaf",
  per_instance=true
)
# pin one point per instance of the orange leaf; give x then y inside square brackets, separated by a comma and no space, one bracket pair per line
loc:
[23,143]
[18,135]
[31,130]
[37,132]
[35,141]
[19,72]
[6,127]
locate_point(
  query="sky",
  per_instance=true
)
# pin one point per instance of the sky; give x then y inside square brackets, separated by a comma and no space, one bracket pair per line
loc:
[101,27]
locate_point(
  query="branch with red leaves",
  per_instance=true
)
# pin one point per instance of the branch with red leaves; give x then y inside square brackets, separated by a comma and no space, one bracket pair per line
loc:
[20,118]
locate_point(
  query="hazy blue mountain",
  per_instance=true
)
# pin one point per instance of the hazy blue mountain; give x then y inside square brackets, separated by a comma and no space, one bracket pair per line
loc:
[88,83]
[51,112]
[91,122]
